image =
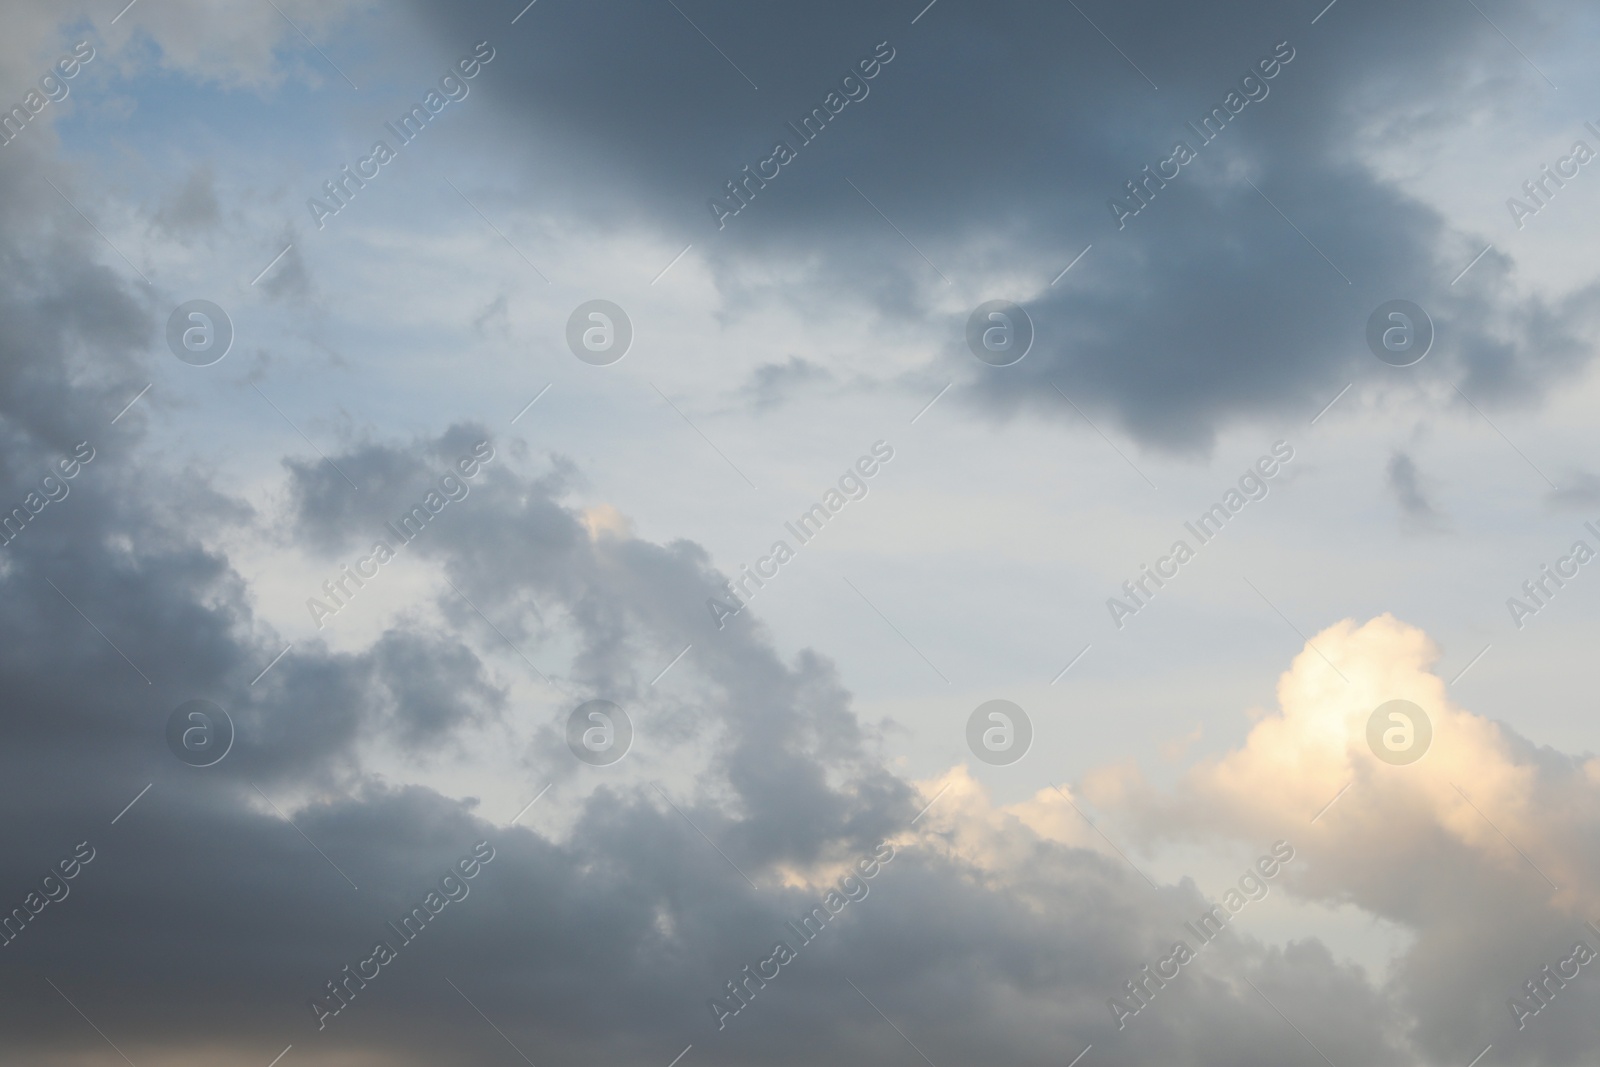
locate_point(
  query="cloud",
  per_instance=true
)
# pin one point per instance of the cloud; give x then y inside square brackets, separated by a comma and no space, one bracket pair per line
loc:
[221,899]
[1580,489]
[233,46]
[191,210]
[493,316]
[290,279]
[773,383]
[997,927]
[1243,287]
[1406,484]
[766,759]
[1484,807]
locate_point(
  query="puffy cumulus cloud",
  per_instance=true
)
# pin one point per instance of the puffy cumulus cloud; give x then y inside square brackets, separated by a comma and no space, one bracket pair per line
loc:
[993,931]
[623,607]
[213,867]
[995,139]
[1002,838]
[1483,850]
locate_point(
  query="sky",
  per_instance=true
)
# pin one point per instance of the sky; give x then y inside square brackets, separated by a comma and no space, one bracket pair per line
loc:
[690,534]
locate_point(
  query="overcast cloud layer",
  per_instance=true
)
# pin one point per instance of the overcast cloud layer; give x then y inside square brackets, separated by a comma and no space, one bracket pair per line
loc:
[397,509]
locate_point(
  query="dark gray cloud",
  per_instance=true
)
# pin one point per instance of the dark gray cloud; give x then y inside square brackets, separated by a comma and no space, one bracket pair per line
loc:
[607,941]
[994,140]
[1405,482]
